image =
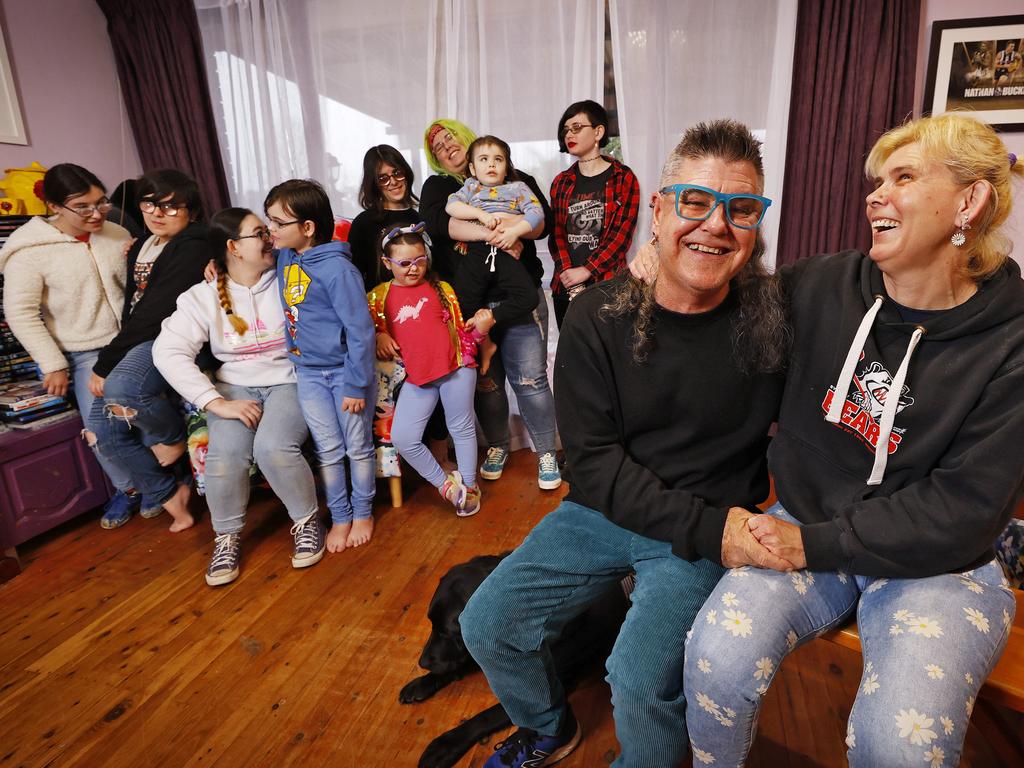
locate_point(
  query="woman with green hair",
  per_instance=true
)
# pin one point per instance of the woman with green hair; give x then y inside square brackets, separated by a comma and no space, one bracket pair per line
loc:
[522,340]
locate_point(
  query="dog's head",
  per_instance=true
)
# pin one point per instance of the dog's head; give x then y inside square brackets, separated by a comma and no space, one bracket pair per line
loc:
[444,651]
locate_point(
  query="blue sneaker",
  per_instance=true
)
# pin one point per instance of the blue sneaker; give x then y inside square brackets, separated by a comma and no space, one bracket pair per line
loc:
[548,476]
[149,508]
[119,510]
[494,463]
[528,749]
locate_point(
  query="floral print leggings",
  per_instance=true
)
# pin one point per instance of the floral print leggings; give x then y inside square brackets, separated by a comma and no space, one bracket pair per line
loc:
[928,645]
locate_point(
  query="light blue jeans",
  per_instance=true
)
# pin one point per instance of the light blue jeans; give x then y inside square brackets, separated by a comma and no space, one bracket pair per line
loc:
[275,445]
[567,561]
[136,383]
[80,365]
[522,357]
[338,434]
[416,404]
[928,645]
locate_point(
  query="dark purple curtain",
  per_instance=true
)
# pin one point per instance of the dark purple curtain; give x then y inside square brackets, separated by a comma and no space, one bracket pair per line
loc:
[159,55]
[853,79]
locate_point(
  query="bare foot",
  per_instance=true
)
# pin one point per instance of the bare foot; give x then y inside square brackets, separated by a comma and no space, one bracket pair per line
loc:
[337,536]
[362,532]
[177,507]
[167,454]
[487,350]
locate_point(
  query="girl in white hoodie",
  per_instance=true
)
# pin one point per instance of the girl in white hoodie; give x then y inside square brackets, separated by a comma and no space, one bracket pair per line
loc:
[252,409]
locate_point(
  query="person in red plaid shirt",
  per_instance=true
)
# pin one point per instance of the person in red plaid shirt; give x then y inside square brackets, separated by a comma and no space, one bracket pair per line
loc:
[595,203]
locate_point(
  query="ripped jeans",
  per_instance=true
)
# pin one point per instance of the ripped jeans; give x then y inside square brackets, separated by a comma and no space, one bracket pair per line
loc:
[137,385]
[522,357]
[80,365]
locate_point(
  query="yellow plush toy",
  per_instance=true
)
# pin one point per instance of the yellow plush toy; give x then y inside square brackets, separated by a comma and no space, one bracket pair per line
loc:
[22,190]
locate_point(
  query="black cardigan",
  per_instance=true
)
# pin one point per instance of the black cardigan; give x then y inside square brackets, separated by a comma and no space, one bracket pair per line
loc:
[179,267]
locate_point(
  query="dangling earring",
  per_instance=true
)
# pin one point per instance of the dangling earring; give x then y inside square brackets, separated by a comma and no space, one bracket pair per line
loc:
[959,238]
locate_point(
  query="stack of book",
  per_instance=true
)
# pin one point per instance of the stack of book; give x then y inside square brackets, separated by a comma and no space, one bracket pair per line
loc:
[15,363]
[26,402]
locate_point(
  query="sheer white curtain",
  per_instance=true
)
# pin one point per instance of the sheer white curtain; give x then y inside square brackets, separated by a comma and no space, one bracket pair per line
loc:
[682,62]
[305,87]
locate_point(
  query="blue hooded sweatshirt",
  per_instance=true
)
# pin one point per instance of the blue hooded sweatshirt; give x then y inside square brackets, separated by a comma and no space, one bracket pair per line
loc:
[326,316]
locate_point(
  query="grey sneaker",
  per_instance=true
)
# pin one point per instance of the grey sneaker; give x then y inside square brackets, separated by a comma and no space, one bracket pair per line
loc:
[309,542]
[548,476]
[227,552]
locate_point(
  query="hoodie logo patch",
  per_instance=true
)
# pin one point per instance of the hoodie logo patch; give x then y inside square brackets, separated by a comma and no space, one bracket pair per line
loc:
[862,410]
[296,283]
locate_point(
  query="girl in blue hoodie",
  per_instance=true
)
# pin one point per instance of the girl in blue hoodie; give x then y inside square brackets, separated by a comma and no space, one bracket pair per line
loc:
[330,340]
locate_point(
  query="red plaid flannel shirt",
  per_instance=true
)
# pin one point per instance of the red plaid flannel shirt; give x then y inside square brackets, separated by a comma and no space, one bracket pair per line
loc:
[621,206]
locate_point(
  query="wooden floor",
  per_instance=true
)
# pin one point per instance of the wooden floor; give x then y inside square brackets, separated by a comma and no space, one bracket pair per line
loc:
[114,652]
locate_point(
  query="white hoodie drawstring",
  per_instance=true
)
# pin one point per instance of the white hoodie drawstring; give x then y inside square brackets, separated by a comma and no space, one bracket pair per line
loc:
[490,257]
[892,400]
[835,410]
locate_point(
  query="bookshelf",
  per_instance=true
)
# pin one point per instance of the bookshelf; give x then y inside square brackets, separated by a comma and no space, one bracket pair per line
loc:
[47,474]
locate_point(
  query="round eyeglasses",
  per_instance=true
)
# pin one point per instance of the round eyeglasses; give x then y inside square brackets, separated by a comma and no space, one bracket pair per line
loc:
[385,179]
[696,203]
[85,211]
[168,209]
[262,234]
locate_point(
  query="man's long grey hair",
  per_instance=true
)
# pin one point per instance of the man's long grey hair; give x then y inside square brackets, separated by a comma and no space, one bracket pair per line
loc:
[761,333]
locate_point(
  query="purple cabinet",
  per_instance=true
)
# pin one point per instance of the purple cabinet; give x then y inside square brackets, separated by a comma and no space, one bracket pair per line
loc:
[47,476]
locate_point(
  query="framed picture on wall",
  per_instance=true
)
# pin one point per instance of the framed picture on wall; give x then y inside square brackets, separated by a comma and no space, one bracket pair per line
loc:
[977,65]
[12,129]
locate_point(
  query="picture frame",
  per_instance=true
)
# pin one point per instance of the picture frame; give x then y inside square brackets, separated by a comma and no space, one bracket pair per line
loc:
[12,127]
[977,65]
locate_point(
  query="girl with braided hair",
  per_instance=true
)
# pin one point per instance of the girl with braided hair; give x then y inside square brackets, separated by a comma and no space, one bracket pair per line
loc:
[252,408]
[417,318]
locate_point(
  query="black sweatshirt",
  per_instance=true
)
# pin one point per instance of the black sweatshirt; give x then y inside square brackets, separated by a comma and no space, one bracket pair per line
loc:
[662,448]
[955,463]
[434,198]
[179,267]
[368,229]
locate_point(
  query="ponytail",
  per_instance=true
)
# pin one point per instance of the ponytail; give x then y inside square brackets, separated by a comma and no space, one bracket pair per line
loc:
[223,226]
[237,322]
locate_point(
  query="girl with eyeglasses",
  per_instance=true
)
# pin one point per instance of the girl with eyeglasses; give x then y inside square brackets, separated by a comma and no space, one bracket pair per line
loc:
[417,318]
[252,409]
[595,202]
[64,279]
[135,424]
[330,340]
[388,201]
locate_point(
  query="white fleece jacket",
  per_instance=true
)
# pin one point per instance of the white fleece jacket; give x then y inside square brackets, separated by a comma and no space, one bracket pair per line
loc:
[61,294]
[259,358]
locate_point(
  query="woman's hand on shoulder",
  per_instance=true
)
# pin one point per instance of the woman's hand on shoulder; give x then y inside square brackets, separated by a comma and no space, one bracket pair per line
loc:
[127,247]
[387,347]
[248,412]
[56,382]
[210,273]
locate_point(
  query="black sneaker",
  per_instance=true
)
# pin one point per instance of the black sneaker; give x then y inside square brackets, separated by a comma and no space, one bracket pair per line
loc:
[528,749]
[309,542]
[227,552]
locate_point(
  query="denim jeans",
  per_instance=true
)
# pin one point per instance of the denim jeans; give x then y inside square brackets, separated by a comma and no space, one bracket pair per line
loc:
[522,357]
[565,563]
[275,445]
[337,434]
[415,406]
[136,384]
[80,365]
[928,645]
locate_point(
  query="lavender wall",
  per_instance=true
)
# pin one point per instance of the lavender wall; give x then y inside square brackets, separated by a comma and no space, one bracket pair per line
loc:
[64,72]
[940,10]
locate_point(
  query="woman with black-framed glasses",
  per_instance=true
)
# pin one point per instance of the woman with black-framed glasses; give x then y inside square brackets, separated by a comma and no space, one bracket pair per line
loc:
[64,279]
[388,201]
[135,424]
[252,409]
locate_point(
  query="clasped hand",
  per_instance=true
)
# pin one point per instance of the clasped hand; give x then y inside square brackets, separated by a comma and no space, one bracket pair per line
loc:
[749,540]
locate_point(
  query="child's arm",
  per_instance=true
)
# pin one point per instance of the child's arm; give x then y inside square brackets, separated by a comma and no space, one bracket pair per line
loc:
[387,347]
[349,303]
[467,212]
[510,235]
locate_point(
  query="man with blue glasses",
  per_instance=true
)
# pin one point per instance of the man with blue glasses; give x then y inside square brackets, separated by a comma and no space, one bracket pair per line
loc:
[665,389]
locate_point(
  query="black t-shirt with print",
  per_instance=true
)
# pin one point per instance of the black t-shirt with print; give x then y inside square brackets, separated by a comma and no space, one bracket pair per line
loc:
[585,221]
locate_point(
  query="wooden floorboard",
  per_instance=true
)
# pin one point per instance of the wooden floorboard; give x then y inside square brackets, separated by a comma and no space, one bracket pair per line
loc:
[114,652]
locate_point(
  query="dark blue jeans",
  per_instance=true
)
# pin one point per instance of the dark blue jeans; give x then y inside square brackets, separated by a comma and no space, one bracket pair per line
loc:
[135,384]
[565,563]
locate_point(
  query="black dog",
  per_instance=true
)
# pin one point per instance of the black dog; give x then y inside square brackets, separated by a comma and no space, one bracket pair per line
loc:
[581,650]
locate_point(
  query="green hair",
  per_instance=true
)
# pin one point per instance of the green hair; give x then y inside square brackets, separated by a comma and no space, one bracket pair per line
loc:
[460,131]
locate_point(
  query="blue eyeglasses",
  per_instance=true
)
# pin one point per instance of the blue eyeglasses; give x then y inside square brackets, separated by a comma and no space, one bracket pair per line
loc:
[696,203]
